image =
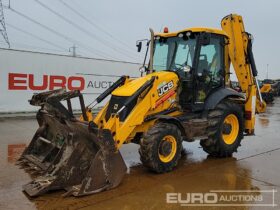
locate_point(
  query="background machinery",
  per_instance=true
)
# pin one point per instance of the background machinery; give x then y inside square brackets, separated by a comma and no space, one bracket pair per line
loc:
[267,92]
[270,89]
[185,95]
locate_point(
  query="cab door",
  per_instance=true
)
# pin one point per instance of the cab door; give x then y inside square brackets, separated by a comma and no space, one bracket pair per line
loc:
[209,71]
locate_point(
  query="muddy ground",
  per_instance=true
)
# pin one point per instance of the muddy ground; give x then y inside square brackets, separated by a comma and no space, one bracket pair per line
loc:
[254,171]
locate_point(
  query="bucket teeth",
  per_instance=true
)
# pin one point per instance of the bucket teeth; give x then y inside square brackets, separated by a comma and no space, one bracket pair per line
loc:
[19,163]
[22,162]
[31,168]
[34,173]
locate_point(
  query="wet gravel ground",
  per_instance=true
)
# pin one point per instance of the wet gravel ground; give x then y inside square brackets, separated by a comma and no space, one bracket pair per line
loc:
[254,172]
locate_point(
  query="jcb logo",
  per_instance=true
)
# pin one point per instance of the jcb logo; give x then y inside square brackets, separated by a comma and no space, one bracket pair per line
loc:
[165,88]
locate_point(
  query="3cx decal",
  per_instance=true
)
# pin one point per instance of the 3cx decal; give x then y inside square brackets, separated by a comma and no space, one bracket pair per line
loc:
[165,87]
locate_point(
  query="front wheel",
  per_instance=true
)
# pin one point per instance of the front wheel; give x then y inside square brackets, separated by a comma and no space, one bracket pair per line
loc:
[225,130]
[160,147]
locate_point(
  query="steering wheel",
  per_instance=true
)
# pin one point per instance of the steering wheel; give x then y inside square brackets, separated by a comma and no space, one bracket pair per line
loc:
[178,64]
[182,67]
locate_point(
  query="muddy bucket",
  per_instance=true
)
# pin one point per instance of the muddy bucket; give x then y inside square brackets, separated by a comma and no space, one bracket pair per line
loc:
[71,155]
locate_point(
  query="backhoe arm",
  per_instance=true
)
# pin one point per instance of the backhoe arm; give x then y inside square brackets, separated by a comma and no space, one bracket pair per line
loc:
[239,51]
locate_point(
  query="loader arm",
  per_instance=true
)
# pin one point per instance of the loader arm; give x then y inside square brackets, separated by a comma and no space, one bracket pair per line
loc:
[147,102]
[239,52]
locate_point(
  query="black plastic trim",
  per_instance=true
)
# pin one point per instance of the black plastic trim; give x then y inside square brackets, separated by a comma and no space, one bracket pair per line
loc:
[220,94]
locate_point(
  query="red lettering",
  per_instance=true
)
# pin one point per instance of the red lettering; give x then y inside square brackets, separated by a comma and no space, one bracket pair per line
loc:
[17,81]
[57,82]
[14,81]
[76,79]
[44,86]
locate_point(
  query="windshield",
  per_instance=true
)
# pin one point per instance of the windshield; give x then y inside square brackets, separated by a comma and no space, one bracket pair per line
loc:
[173,53]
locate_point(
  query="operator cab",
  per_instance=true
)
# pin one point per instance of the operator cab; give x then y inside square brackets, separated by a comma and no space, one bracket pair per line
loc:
[197,56]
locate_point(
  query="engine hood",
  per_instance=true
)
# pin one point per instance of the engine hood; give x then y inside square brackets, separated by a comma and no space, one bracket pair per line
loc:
[132,86]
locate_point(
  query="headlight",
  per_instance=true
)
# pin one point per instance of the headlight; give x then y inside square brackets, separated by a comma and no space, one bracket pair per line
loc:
[180,35]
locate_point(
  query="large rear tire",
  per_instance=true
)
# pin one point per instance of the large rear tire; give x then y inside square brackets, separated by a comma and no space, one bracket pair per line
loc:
[225,130]
[160,147]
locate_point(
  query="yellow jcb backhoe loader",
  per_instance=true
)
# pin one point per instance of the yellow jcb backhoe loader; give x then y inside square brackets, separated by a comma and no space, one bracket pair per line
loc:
[185,95]
[269,89]
[267,93]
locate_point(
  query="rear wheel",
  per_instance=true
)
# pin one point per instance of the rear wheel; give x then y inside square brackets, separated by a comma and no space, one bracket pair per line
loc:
[160,147]
[225,130]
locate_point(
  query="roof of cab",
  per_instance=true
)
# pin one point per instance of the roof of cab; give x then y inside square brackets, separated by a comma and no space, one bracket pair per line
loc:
[198,29]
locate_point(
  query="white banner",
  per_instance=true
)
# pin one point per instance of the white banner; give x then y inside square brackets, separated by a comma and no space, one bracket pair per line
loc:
[24,73]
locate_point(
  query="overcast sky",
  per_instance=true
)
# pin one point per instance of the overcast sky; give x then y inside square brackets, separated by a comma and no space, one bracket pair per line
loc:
[112,27]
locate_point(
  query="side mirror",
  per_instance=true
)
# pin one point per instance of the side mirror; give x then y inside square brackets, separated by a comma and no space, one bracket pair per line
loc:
[139,46]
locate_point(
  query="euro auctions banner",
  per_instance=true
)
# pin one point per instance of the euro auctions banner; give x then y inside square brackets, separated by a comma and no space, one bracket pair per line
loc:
[24,73]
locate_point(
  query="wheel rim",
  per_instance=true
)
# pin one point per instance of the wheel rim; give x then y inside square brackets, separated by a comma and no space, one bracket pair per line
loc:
[167,148]
[230,129]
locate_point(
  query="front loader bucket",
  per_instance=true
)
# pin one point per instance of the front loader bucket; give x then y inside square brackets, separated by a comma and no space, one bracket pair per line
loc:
[71,155]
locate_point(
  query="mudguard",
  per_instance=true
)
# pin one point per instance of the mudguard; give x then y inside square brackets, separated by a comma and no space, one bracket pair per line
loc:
[215,98]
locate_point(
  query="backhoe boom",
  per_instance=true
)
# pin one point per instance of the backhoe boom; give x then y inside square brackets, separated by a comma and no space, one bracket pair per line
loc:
[241,56]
